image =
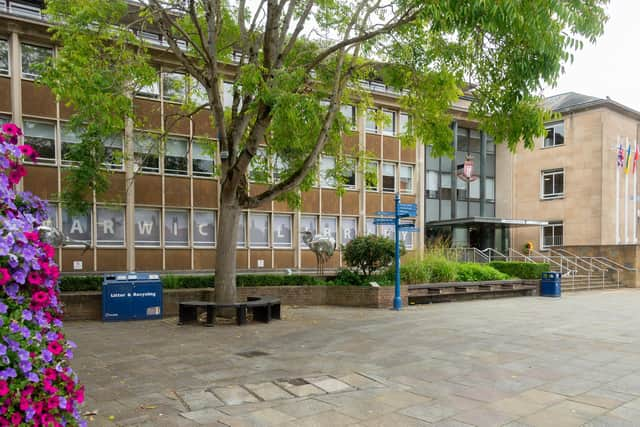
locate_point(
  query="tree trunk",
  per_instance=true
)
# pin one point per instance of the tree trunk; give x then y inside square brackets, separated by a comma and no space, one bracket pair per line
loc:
[226,250]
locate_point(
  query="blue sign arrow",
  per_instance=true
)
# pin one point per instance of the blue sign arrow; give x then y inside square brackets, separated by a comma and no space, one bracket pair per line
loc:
[408,206]
[385,213]
[403,214]
[378,221]
[411,228]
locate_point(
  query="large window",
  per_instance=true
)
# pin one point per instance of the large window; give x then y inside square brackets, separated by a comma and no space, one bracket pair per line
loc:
[69,139]
[198,93]
[204,228]
[110,226]
[327,168]
[308,223]
[175,157]
[147,227]
[146,152]
[552,183]
[4,58]
[350,173]
[33,59]
[552,234]
[404,123]
[406,179]
[329,226]
[52,214]
[176,228]
[349,229]
[242,230]
[349,113]
[227,94]
[113,151]
[371,228]
[432,185]
[282,231]
[202,154]
[555,135]
[77,227]
[371,176]
[259,166]
[371,125]
[388,177]
[152,90]
[390,122]
[42,137]
[259,230]
[174,87]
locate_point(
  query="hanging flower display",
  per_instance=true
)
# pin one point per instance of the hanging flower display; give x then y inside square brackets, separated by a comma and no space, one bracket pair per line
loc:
[37,385]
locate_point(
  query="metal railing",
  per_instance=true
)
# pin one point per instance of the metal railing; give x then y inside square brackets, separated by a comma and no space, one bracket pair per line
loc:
[466,254]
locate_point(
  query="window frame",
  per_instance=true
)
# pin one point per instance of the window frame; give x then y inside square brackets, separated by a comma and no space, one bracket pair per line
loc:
[140,166]
[373,129]
[197,244]
[411,190]
[553,225]
[43,160]
[176,172]
[551,127]
[281,245]
[267,231]
[395,179]
[394,123]
[31,76]
[111,244]
[552,173]
[372,188]
[212,159]
[8,70]
[174,75]
[330,181]
[316,219]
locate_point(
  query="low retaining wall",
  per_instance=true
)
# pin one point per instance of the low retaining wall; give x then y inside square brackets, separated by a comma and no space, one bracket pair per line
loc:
[88,305]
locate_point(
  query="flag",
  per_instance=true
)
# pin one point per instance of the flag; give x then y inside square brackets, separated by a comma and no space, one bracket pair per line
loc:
[635,158]
[626,168]
[620,159]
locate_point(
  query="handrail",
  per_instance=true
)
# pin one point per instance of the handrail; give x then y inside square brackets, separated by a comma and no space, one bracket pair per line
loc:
[546,257]
[603,260]
[498,253]
[567,258]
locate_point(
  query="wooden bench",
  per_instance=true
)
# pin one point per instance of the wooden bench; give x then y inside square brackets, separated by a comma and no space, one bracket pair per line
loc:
[263,309]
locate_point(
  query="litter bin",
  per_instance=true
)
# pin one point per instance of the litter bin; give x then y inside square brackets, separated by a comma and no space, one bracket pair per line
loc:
[550,284]
[133,296]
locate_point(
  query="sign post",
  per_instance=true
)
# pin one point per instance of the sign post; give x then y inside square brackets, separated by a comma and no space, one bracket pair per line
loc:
[402,210]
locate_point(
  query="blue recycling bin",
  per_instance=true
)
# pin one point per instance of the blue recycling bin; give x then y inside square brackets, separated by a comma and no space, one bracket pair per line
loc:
[132,296]
[550,285]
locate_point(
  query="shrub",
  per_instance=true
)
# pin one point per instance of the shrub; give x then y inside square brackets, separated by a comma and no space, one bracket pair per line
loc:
[415,271]
[370,253]
[277,280]
[521,270]
[80,283]
[440,269]
[472,272]
[348,278]
[187,282]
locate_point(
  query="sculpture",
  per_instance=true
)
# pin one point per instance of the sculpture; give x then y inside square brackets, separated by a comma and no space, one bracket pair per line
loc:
[321,245]
[51,235]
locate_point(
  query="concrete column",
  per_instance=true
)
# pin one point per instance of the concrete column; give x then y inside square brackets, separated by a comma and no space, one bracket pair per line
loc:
[454,182]
[131,200]
[421,170]
[15,69]
[483,173]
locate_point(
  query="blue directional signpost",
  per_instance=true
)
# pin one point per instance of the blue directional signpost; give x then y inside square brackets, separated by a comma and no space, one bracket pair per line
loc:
[403,210]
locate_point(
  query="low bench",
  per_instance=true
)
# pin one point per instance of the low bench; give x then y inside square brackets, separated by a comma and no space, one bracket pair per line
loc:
[263,308]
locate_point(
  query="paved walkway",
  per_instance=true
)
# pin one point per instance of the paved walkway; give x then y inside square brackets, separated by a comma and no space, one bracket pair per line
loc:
[517,362]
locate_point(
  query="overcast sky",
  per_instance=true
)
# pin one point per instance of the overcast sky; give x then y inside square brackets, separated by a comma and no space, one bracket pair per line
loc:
[611,67]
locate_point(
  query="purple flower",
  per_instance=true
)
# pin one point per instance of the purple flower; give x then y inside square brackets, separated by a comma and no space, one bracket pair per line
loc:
[25,365]
[57,323]
[26,333]
[37,336]
[8,373]
[14,327]
[69,354]
[30,412]
[12,290]
[62,402]
[5,359]
[23,355]
[47,356]
[3,349]
[3,307]
[13,261]
[72,344]
[27,315]
[20,276]
[52,336]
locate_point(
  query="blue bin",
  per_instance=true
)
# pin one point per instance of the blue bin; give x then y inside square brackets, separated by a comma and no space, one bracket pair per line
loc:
[133,296]
[550,284]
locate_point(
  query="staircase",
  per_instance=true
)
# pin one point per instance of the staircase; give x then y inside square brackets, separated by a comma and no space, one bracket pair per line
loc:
[586,283]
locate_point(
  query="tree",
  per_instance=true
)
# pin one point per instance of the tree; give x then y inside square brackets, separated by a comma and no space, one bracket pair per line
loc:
[370,253]
[298,61]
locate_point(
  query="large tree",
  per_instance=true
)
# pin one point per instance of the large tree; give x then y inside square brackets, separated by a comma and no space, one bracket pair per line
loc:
[294,62]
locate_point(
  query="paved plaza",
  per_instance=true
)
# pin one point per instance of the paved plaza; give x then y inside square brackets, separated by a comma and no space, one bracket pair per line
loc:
[518,362]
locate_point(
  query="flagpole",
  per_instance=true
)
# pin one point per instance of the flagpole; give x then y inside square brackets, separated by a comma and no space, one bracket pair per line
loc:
[618,194]
[626,198]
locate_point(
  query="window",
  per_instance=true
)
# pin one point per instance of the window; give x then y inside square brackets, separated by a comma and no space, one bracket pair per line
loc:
[174,87]
[406,179]
[390,122]
[152,90]
[77,227]
[349,113]
[175,157]
[227,94]
[404,123]
[23,9]
[388,177]
[371,176]
[279,166]
[145,147]
[204,228]
[110,226]
[113,151]
[33,59]
[308,223]
[259,166]
[242,231]
[349,229]
[490,189]
[4,58]
[555,135]
[259,230]
[445,186]
[327,169]
[474,141]
[282,231]
[552,234]
[202,154]
[69,139]
[42,137]
[147,227]
[552,183]
[198,93]
[432,184]
[329,226]
[388,231]
[474,190]
[370,227]
[176,228]
[349,174]
[52,214]
[407,238]
[371,125]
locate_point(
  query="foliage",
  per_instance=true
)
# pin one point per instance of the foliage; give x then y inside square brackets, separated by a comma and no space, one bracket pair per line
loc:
[441,269]
[370,253]
[37,384]
[415,271]
[522,270]
[80,283]
[277,280]
[472,272]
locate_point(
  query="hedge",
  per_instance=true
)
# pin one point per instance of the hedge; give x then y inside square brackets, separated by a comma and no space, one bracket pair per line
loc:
[94,283]
[522,270]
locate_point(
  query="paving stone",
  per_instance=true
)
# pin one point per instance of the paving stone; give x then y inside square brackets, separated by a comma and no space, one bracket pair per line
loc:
[359,381]
[196,400]
[233,395]
[329,385]
[484,417]
[204,416]
[394,420]
[517,406]
[430,413]
[610,421]
[323,419]
[364,409]
[301,390]
[268,391]
[304,408]
[626,412]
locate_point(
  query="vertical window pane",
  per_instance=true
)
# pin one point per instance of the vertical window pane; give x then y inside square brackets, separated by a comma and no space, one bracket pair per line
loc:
[474,189]
[406,178]
[327,168]
[4,58]
[227,94]
[407,238]
[371,123]
[145,148]
[390,123]
[175,157]
[328,226]
[432,210]
[388,231]
[176,228]
[41,136]
[404,123]
[348,113]
[490,188]
[432,184]
[463,139]
[388,177]
[371,176]
[259,230]
[174,87]
[202,154]
[52,214]
[152,90]
[349,229]
[282,231]
[308,223]
[113,151]
[474,141]
[198,93]
[558,134]
[242,227]
[370,227]
[69,139]
[204,228]
[147,227]
[33,59]
[110,226]
[77,227]
[259,166]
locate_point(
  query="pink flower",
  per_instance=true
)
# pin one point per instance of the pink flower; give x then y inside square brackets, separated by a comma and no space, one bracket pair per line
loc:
[35,278]
[4,276]
[50,252]
[16,418]
[29,152]
[40,297]
[80,395]
[11,129]
[32,236]
[55,347]
[4,388]
[52,402]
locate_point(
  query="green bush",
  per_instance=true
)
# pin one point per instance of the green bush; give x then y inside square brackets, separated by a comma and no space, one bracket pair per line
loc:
[277,280]
[80,283]
[187,282]
[370,253]
[522,270]
[348,278]
[440,269]
[471,272]
[415,271]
